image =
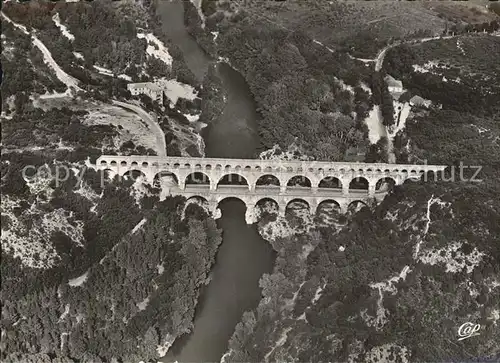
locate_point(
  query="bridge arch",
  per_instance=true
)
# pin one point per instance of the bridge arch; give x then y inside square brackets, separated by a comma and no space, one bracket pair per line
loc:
[297,204]
[267,180]
[197,177]
[241,206]
[328,206]
[198,199]
[299,180]
[170,176]
[386,183]
[266,206]
[330,182]
[134,175]
[356,206]
[232,179]
[359,183]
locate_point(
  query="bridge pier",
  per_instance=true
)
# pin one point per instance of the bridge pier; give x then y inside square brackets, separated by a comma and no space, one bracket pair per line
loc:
[371,188]
[250,217]
[313,207]
[343,206]
[344,181]
[281,210]
[214,209]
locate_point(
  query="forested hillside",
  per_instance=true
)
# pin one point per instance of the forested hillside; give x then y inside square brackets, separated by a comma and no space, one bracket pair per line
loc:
[93,268]
[101,269]
[397,282]
[310,66]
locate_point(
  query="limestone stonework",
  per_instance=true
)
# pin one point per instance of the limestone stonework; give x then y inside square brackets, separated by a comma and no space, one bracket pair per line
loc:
[212,170]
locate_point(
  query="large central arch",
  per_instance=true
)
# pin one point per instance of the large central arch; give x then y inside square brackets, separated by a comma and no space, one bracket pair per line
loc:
[134,175]
[241,207]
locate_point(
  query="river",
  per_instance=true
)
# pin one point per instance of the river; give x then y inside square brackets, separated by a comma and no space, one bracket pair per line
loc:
[243,255]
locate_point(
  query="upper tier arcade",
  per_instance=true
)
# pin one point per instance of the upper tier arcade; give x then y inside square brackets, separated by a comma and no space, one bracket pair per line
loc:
[313,172]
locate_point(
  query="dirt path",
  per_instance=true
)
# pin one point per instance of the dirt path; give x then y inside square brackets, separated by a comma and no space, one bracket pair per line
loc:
[64,77]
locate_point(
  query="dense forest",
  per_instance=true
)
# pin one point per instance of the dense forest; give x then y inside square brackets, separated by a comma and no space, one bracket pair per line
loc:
[146,281]
[298,85]
[398,280]
[126,270]
[295,85]
[326,305]
[93,268]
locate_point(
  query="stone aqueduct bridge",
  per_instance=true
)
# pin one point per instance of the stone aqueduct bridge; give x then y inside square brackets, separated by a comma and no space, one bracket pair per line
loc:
[312,172]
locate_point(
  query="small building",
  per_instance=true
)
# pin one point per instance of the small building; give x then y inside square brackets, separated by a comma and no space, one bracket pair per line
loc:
[419,101]
[393,84]
[149,89]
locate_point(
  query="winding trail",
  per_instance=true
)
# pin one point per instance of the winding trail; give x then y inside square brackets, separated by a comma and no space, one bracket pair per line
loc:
[151,122]
[69,81]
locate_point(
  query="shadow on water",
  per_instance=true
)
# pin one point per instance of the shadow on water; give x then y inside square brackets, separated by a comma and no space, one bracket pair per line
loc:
[243,255]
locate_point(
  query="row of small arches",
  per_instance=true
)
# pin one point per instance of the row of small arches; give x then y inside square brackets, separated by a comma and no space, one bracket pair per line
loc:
[257,168]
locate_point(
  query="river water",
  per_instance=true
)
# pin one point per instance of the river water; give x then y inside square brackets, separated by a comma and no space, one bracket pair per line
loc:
[243,255]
